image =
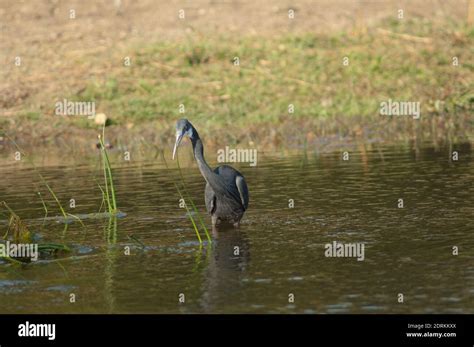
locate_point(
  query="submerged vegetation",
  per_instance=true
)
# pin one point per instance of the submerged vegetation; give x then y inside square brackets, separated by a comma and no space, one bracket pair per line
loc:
[18,232]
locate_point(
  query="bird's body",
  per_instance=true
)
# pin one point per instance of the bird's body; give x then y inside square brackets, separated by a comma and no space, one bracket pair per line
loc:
[227,207]
[226,193]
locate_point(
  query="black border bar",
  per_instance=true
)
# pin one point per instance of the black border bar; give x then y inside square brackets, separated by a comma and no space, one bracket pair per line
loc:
[142,329]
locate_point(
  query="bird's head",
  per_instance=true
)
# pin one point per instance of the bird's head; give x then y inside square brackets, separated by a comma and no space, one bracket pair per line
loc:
[183,128]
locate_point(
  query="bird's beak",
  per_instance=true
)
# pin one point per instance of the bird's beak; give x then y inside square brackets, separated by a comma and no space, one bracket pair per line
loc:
[179,137]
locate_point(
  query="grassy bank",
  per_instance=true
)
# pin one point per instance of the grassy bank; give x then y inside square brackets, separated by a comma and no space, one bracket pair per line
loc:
[410,60]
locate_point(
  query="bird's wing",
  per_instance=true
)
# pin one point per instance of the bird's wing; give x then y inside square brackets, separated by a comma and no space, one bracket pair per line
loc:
[243,190]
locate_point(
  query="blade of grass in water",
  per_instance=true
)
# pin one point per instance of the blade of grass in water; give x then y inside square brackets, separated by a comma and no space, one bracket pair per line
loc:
[187,209]
[12,260]
[109,171]
[192,203]
[107,195]
[78,219]
[103,198]
[39,174]
[54,195]
[111,230]
[43,180]
[44,207]
[135,239]
[189,214]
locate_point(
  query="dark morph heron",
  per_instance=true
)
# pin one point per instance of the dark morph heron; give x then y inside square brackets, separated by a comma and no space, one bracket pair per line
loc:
[226,194]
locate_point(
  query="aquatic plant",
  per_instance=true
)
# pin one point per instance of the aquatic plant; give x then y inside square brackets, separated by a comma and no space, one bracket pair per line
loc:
[108,195]
[39,175]
[189,214]
[44,207]
[188,211]
[16,228]
[19,233]
[192,203]
[108,178]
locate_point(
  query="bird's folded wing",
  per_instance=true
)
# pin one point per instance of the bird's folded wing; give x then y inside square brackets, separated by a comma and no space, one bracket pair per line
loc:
[243,190]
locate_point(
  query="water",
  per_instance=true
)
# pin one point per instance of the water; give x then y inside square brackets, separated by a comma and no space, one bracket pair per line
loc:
[281,250]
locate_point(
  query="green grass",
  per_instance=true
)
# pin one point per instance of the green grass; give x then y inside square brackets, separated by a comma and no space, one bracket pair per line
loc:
[30,115]
[405,60]
[304,69]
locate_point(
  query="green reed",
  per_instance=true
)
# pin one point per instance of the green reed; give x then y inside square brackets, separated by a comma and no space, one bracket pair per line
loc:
[192,203]
[108,177]
[193,222]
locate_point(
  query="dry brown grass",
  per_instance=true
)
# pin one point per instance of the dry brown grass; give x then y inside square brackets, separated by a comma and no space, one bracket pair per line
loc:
[61,56]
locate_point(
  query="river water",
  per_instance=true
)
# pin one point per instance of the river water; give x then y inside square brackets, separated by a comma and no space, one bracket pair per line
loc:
[276,262]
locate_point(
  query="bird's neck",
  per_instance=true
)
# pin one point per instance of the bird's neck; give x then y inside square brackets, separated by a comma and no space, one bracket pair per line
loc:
[213,179]
[198,150]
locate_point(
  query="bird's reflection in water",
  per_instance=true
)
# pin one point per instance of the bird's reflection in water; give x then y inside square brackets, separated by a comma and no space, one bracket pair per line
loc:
[228,261]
